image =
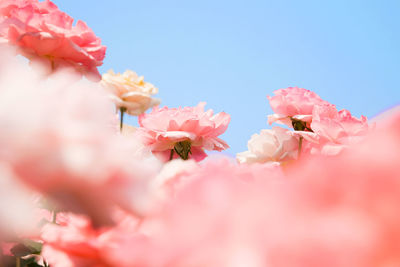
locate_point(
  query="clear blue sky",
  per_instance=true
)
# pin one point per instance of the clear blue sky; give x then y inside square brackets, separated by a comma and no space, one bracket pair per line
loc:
[232,54]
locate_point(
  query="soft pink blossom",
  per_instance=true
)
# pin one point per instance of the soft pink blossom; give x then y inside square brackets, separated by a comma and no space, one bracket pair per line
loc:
[337,129]
[356,192]
[197,226]
[293,103]
[276,145]
[61,140]
[72,244]
[76,243]
[163,129]
[41,29]
[171,178]
[207,221]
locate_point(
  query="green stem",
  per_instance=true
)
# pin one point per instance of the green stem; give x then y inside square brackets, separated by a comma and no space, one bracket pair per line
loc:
[121,123]
[171,156]
[300,146]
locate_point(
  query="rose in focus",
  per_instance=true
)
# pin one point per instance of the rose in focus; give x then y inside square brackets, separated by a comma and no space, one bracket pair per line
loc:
[183,132]
[41,30]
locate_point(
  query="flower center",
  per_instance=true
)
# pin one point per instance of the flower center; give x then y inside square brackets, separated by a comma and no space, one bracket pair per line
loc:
[182,148]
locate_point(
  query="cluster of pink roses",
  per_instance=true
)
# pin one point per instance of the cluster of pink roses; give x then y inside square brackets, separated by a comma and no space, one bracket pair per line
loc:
[79,188]
[318,128]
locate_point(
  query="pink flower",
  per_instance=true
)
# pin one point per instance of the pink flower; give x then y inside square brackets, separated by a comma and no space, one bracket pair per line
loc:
[61,140]
[172,177]
[75,243]
[275,145]
[293,103]
[353,196]
[72,244]
[183,131]
[41,29]
[336,130]
[209,221]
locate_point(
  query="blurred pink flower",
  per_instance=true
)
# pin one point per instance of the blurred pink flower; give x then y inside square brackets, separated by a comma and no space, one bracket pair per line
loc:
[61,139]
[186,132]
[208,221]
[336,130]
[293,103]
[75,243]
[41,29]
[277,145]
[171,178]
[353,196]
[72,244]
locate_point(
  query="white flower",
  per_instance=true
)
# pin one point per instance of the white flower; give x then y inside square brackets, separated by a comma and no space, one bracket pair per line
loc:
[130,91]
[276,144]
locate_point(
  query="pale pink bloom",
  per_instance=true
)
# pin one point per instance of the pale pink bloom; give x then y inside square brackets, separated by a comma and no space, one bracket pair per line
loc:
[197,226]
[293,103]
[336,130]
[276,145]
[191,129]
[60,139]
[130,91]
[76,243]
[207,224]
[172,177]
[355,196]
[72,244]
[41,29]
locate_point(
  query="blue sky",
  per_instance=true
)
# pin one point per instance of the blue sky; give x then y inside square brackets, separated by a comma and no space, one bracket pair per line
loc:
[231,54]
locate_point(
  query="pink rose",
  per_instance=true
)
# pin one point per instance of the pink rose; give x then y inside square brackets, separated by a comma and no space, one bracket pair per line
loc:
[184,132]
[336,130]
[41,29]
[293,103]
